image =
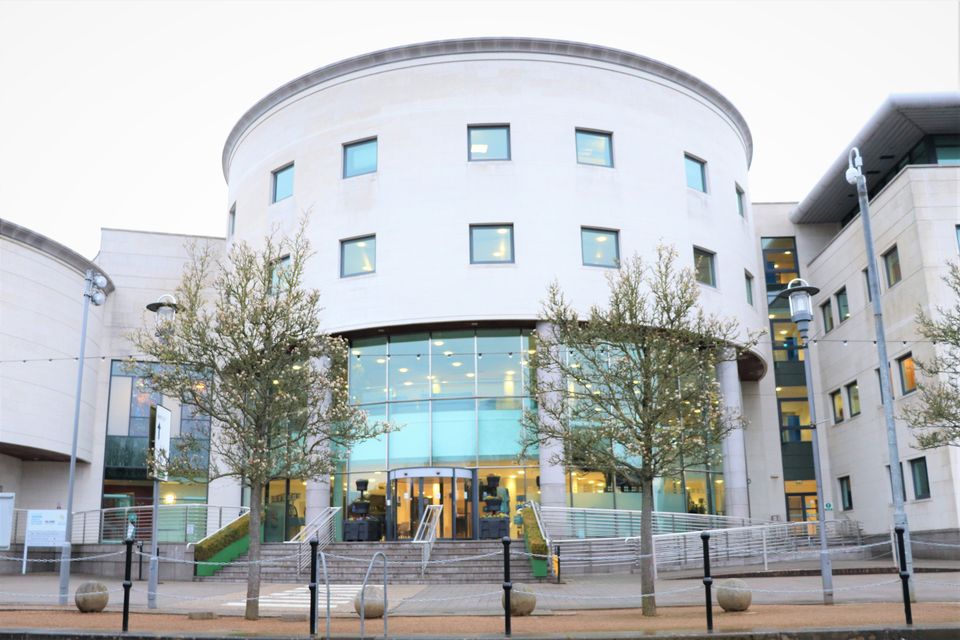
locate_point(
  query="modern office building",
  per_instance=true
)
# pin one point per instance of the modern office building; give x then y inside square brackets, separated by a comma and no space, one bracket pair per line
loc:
[446,185]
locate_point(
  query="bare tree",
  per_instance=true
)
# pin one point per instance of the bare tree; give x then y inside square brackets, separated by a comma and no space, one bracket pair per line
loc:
[631,388]
[246,348]
[935,415]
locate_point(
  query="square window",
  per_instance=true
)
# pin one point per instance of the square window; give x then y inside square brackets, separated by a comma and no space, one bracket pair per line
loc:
[748,283]
[921,482]
[488,142]
[826,312]
[358,256]
[741,206]
[704,267]
[866,285]
[908,374]
[601,247]
[853,398]
[491,243]
[594,147]
[843,306]
[359,158]
[282,183]
[696,173]
[846,495]
[232,221]
[891,264]
[836,401]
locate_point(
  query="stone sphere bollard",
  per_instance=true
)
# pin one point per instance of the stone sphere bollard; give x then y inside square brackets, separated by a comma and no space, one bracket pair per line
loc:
[734,595]
[522,600]
[91,597]
[372,602]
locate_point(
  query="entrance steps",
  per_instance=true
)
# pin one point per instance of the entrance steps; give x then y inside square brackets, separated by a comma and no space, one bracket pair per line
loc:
[446,565]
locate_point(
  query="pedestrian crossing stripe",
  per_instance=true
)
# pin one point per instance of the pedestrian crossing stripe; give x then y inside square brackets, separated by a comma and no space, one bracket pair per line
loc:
[299,597]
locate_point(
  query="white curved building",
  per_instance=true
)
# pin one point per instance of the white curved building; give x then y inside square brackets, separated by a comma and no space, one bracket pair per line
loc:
[447,184]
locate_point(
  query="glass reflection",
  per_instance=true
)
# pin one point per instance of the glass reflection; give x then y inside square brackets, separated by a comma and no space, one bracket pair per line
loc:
[359,158]
[600,247]
[491,243]
[409,358]
[489,143]
[453,366]
[368,370]
[358,256]
[594,148]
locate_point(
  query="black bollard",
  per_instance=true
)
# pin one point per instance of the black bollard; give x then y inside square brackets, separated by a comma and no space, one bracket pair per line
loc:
[507,586]
[558,564]
[904,575]
[313,586]
[707,580]
[128,561]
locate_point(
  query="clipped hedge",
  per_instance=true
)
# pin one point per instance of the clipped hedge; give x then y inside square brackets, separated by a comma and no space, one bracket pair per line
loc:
[236,530]
[531,531]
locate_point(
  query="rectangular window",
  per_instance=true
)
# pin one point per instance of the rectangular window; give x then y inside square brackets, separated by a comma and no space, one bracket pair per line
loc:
[826,312]
[741,205]
[846,495]
[232,221]
[748,283]
[488,142]
[853,398]
[359,158]
[594,147]
[601,247]
[908,374]
[921,483]
[491,243]
[358,256]
[282,183]
[836,401]
[277,274]
[903,482]
[843,306]
[696,173]
[866,285]
[704,266]
[891,264]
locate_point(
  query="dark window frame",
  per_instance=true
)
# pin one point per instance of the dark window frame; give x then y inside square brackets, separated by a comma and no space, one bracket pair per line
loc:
[472,127]
[703,172]
[595,132]
[616,236]
[915,465]
[345,241]
[833,406]
[490,225]
[712,255]
[846,493]
[273,182]
[356,143]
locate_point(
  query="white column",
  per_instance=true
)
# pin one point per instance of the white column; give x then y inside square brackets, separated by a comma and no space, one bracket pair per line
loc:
[736,496]
[553,486]
[318,496]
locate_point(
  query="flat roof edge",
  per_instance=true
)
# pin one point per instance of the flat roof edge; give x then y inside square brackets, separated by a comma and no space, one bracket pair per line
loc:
[483,45]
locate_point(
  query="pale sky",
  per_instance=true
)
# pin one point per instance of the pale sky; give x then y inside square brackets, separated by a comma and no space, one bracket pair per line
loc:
[114,114]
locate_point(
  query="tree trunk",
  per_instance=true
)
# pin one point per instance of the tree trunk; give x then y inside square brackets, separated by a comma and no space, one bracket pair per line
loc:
[253,555]
[646,549]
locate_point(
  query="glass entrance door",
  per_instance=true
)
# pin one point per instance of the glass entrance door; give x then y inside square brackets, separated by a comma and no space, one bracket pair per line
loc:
[411,491]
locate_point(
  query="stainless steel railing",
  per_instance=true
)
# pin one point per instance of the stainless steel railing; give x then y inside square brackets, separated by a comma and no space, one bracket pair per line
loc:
[427,533]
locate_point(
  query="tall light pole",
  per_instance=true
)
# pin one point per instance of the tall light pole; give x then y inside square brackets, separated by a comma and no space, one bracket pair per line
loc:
[93,291]
[855,176]
[166,309]
[801,312]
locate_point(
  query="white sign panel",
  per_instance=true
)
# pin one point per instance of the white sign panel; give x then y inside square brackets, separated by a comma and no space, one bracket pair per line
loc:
[6,520]
[161,437]
[46,528]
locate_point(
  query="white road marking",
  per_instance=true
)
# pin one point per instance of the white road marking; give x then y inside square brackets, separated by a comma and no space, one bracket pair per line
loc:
[299,598]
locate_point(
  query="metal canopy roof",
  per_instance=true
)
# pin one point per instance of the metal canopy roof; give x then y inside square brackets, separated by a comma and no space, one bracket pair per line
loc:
[893,130]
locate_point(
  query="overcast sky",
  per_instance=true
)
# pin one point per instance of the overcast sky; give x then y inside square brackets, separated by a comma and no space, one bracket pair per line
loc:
[114,114]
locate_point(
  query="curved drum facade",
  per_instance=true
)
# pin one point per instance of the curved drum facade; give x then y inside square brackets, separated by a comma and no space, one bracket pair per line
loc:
[423,169]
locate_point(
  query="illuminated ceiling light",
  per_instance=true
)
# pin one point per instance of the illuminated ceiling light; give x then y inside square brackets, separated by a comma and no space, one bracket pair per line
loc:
[509,372]
[356,352]
[403,369]
[779,388]
[448,353]
[772,315]
[380,360]
[776,266]
[361,244]
[787,253]
[170,498]
[478,148]
[438,343]
[504,231]
[297,367]
[601,238]
[522,472]
[276,382]
[407,383]
[470,375]
[531,351]
[456,364]
[783,332]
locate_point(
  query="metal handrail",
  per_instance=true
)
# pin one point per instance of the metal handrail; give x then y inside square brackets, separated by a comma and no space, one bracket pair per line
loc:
[543,531]
[427,534]
[321,528]
[580,523]
[177,523]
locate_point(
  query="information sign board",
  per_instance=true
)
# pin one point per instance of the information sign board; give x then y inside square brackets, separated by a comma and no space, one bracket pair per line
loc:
[45,528]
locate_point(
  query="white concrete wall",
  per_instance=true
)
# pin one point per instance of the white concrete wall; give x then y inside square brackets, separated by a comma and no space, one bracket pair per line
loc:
[918,211]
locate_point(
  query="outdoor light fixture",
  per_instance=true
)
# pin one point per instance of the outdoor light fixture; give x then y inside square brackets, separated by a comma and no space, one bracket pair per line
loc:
[94,292]
[799,293]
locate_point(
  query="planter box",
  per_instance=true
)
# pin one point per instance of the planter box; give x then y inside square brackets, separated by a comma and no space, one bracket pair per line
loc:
[494,528]
[361,530]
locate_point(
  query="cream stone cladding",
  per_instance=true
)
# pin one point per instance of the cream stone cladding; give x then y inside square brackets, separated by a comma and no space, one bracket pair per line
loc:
[425,194]
[918,212]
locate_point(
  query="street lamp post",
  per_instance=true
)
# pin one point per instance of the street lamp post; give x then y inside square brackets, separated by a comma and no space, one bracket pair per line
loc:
[801,312]
[166,308]
[855,176]
[93,291]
